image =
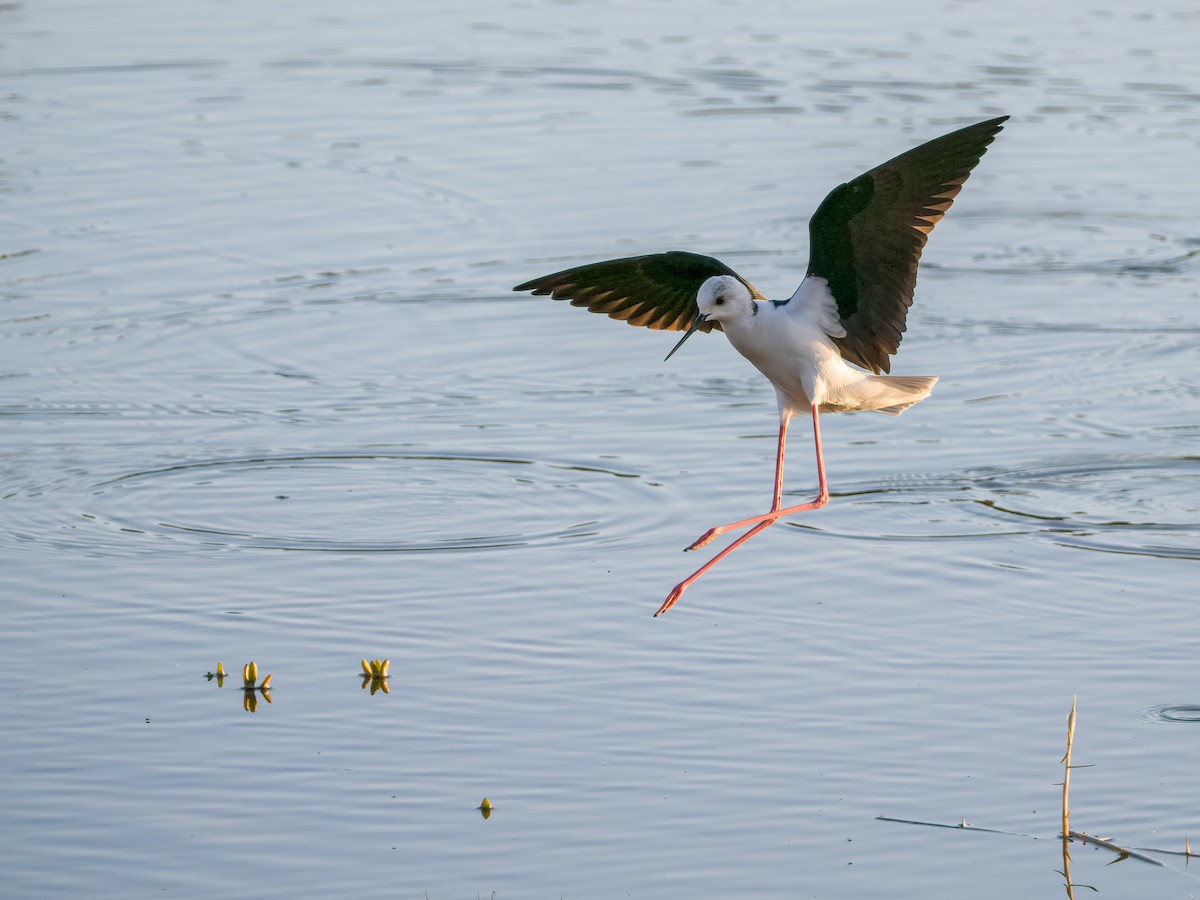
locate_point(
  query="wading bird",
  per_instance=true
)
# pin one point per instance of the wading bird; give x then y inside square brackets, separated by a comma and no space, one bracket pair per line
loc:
[822,349]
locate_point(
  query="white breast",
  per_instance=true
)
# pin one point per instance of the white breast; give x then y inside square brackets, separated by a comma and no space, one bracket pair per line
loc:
[793,352]
[791,344]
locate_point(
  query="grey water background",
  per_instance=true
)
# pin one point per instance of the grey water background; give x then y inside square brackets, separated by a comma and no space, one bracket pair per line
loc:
[266,394]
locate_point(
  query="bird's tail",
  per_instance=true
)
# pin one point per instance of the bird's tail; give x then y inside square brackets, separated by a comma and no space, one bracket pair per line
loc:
[896,393]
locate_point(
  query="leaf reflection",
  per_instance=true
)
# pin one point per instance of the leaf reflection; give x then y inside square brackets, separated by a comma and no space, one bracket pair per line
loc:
[251,688]
[375,674]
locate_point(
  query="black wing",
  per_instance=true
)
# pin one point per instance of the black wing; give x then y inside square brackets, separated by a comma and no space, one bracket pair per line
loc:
[657,291]
[866,237]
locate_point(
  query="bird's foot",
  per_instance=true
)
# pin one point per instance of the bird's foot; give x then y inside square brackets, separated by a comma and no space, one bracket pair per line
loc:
[706,538]
[760,522]
[719,530]
[673,597]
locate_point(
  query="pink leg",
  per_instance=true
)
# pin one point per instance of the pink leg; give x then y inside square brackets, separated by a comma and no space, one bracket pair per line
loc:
[677,591]
[759,522]
[776,512]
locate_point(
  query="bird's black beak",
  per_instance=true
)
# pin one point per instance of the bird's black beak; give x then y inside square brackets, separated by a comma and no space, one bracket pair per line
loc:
[700,319]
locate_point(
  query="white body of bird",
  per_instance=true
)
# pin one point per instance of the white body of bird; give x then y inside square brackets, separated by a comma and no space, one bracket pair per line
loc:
[791,344]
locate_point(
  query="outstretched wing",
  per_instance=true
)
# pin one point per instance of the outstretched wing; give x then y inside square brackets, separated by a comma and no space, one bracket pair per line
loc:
[657,291]
[866,237]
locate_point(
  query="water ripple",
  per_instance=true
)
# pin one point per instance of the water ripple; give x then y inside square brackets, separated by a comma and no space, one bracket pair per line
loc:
[353,503]
[1187,714]
[1141,506]
[1065,242]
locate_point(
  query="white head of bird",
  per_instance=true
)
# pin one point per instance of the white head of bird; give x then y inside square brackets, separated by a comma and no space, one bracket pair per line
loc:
[723,298]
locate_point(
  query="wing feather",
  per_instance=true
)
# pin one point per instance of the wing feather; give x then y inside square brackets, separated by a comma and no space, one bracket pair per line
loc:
[867,235]
[657,291]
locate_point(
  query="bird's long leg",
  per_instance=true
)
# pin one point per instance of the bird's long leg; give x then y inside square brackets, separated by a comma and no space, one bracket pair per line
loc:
[777,501]
[677,591]
[759,522]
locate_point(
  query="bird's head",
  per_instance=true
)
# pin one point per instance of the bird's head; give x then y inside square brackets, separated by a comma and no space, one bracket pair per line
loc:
[721,298]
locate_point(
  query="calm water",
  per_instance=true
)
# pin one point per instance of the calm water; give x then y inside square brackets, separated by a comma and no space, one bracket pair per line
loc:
[266,395]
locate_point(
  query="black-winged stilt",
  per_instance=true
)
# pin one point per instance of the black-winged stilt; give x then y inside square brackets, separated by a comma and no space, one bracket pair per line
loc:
[865,241]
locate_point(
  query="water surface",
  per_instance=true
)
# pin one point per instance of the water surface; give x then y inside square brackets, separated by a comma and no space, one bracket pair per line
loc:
[265,394]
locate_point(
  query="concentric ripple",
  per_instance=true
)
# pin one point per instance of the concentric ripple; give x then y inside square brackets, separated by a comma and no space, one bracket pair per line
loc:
[1188,714]
[1140,506]
[378,502]
[1143,506]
